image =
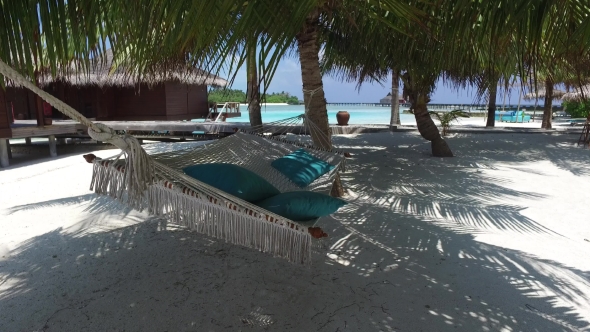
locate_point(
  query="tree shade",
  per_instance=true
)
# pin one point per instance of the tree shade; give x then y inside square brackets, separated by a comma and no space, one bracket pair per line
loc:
[459,40]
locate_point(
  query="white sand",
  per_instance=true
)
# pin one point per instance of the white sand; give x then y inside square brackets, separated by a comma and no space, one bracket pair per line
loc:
[495,239]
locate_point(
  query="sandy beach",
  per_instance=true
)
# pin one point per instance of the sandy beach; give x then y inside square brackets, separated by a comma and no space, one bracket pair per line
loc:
[494,239]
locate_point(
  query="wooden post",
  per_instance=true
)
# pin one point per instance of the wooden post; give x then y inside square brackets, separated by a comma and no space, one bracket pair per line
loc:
[40,114]
[585,135]
[28,141]
[4,152]
[8,149]
[52,146]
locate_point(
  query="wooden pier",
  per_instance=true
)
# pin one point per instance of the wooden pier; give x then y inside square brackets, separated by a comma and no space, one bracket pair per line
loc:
[222,111]
[464,107]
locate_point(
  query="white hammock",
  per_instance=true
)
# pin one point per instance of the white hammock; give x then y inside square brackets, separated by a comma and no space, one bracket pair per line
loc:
[205,209]
[156,182]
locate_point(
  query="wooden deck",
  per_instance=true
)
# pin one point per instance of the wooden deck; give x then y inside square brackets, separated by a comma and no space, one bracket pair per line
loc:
[166,129]
[182,126]
[223,111]
[214,115]
[28,128]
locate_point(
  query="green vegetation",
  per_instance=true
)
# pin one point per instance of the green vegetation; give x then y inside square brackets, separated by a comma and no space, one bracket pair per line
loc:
[223,95]
[446,118]
[577,109]
[283,97]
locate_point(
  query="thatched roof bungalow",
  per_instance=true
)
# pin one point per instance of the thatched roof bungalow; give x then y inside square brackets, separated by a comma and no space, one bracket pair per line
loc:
[579,94]
[541,93]
[387,99]
[110,91]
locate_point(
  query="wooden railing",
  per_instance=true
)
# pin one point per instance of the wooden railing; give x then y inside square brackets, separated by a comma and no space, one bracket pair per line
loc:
[222,110]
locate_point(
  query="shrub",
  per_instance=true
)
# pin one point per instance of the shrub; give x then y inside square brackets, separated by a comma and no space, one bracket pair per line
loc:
[446,118]
[577,109]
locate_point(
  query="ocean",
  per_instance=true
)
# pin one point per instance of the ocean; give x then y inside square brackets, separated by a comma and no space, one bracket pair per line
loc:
[358,114]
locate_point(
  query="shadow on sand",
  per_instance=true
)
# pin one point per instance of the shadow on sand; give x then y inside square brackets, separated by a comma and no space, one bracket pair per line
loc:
[402,257]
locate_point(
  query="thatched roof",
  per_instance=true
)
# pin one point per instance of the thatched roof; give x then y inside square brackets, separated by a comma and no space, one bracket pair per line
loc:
[540,93]
[578,94]
[388,98]
[106,72]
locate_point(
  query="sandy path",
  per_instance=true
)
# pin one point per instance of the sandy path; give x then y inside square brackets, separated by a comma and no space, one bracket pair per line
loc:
[495,239]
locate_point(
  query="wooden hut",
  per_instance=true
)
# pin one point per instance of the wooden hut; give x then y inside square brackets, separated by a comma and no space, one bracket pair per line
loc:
[111,92]
[105,92]
[387,99]
[579,94]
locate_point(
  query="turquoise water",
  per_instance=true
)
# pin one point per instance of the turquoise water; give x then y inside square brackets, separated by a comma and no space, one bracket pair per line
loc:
[358,114]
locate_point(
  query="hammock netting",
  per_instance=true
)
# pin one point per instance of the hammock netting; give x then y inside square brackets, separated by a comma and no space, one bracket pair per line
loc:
[205,209]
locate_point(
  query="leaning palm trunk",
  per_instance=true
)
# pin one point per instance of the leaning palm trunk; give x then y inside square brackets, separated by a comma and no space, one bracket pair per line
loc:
[253,91]
[418,92]
[426,126]
[548,107]
[493,90]
[395,120]
[313,87]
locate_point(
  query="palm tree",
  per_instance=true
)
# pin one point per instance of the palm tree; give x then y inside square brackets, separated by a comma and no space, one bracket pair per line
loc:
[311,77]
[253,93]
[395,119]
[426,39]
[354,56]
[504,38]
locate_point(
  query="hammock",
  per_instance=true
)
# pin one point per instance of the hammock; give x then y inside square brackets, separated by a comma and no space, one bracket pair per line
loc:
[156,183]
[205,209]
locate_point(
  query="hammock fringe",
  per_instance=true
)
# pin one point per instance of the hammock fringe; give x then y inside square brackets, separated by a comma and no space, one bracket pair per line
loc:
[216,219]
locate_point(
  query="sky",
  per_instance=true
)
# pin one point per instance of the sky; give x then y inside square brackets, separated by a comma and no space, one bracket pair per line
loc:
[288,78]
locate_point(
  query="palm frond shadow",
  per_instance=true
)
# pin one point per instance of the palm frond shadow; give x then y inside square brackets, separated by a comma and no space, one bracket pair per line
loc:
[93,204]
[385,211]
[560,150]
[389,266]
[547,294]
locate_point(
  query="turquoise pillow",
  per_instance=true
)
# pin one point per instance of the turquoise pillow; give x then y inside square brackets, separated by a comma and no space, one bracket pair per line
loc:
[234,180]
[302,205]
[301,167]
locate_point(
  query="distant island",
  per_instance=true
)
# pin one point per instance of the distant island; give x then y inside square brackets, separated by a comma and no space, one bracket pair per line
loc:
[239,96]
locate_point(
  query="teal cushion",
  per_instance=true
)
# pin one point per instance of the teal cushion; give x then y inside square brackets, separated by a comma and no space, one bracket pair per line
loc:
[234,180]
[301,205]
[301,167]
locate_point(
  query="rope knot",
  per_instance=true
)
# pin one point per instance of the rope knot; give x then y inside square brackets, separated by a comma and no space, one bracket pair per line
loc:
[139,168]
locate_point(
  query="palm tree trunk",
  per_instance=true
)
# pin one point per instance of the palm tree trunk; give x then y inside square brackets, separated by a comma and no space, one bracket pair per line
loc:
[493,90]
[311,77]
[395,120]
[253,90]
[313,87]
[418,95]
[426,126]
[548,107]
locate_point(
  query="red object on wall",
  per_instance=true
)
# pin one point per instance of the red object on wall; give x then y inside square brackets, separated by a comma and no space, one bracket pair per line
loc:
[47,109]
